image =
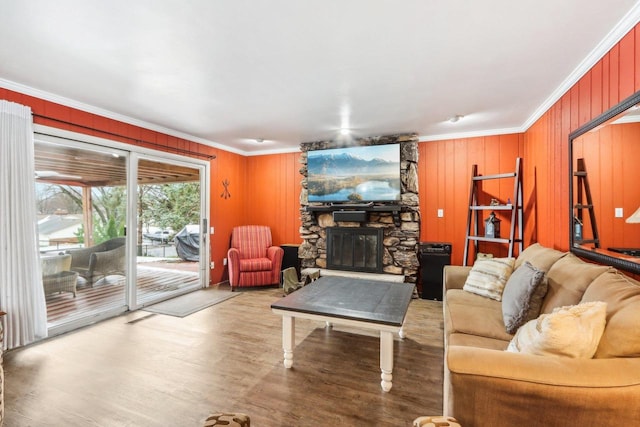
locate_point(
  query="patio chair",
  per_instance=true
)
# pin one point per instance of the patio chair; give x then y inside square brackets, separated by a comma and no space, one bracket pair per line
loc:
[99,261]
[253,260]
[56,276]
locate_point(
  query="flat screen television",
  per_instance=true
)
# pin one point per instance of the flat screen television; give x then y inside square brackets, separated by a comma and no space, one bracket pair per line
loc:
[354,174]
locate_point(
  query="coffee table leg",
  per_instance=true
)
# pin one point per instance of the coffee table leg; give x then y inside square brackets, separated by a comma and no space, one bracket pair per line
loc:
[401,333]
[288,339]
[386,359]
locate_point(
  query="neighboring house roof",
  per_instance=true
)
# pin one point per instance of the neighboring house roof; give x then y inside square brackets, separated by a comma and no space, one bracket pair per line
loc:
[59,225]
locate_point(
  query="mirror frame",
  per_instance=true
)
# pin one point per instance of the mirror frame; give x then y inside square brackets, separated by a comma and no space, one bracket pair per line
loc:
[600,257]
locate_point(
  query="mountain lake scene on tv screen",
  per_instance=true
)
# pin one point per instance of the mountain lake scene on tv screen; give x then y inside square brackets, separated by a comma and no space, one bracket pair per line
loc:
[354,174]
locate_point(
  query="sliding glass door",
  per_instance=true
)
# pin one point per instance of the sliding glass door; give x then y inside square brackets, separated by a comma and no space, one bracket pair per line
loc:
[119,227]
[81,195]
[168,217]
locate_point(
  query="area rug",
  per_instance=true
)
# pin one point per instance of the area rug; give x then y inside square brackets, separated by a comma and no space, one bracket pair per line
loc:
[190,303]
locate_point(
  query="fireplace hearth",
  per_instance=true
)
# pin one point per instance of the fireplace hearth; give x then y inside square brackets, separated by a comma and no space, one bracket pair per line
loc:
[355,249]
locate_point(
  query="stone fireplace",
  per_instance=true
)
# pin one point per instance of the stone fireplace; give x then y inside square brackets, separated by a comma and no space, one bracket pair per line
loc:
[342,237]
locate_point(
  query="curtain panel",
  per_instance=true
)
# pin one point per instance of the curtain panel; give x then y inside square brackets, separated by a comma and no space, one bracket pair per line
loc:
[21,292]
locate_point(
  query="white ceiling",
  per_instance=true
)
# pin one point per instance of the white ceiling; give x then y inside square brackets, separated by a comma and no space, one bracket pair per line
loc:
[228,72]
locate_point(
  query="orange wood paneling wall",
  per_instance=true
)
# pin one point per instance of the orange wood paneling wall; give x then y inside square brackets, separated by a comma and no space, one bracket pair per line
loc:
[272,195]
[227,210]
[445,165]
[224,214]
[263,190]
[444,173]
[546,149]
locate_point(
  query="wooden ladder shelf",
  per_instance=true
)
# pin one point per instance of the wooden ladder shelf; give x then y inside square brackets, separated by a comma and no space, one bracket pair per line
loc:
[475,210]
[584,192]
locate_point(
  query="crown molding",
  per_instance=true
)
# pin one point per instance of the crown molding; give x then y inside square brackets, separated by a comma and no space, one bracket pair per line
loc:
[47,96]
[470,134]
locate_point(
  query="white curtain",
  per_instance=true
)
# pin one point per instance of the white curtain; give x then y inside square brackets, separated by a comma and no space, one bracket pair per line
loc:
[21,292]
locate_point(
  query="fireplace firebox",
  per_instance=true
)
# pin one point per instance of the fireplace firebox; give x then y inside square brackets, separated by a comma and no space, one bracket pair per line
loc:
[355,249]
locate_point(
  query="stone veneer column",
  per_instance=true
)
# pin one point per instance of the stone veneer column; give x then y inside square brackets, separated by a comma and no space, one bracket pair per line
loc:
[400,243]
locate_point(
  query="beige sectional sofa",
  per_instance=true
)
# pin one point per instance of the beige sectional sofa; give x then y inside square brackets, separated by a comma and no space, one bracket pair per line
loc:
[485,385]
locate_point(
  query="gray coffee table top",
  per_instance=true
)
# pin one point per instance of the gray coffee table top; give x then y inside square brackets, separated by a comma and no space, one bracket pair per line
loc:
[373,301]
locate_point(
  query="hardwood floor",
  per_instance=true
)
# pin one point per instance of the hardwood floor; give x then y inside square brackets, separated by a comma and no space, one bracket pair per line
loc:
[143,369]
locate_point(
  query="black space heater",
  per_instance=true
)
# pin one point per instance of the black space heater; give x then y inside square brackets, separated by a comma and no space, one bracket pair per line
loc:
[433,257]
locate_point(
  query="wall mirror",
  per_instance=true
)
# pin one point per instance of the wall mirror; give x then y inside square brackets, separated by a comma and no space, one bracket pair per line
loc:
[604,194]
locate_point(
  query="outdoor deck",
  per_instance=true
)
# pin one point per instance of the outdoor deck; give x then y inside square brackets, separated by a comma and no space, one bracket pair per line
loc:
[155,280]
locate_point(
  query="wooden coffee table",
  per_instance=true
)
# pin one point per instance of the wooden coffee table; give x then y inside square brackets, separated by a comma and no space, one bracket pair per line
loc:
[367,304]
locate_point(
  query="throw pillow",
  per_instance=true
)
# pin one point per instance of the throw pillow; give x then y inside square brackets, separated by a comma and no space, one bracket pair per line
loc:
[489,276]
[571,331]
[522,296]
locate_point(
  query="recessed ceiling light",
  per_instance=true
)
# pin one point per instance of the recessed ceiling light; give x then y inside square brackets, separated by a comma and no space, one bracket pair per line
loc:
[455,118]
[344,131]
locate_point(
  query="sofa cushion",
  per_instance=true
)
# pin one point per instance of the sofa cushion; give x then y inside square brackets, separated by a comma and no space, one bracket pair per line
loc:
[572,331]
[622,295]
[540,257]
[474,314]
[568,279]
[489,276]
[522,296]
[468,340]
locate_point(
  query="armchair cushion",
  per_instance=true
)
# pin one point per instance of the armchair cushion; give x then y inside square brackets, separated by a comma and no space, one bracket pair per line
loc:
[255,264]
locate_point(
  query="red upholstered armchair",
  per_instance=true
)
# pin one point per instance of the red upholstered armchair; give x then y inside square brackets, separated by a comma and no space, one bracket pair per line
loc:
[253,260]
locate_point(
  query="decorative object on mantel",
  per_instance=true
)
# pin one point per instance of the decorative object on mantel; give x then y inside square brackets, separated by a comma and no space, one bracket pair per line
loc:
[634,218]
[225,194]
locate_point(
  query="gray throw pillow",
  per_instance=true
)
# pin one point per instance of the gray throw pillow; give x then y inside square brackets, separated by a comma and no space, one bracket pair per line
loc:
[522,296]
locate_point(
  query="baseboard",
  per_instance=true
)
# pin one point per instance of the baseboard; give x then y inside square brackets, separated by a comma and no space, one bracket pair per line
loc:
[396,278]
